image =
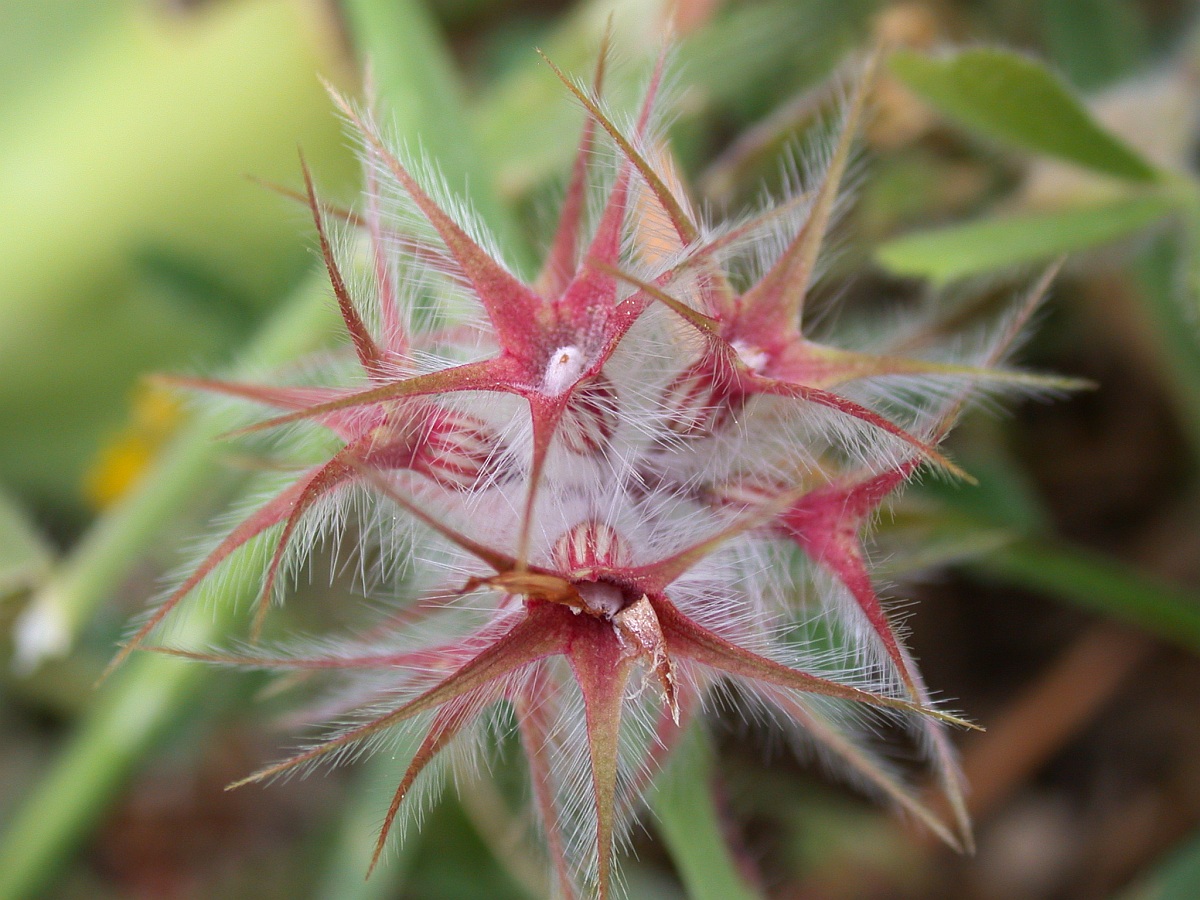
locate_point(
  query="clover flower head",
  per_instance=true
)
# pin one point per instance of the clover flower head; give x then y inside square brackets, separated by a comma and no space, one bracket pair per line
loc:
[609,492]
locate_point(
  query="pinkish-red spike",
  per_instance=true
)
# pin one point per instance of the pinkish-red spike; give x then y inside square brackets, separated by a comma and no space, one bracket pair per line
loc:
[421,250]
[825,524]
[498,561]
[826,733]
[602,666]
[682,223]
[368,352]
[267,395]
[545,413]
[1003,344]
[559,266]
[540,633]
[560,261]
[446,725]
[317,485]
[654,578]
[591,295]
[776,302]
[272,513]
[345,424]
[708,327]
[703,254]
[394,333]
[341,213]
[533,706]
[759,384]
[511,306]
[945,763]
[838,551]
[485,375]
[417,659]
[805,362]
[687,639]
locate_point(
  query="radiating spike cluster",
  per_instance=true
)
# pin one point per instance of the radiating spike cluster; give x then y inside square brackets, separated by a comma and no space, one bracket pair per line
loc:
[625,465]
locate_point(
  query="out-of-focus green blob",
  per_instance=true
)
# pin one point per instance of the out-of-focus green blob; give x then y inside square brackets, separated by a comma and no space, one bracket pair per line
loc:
[135,142]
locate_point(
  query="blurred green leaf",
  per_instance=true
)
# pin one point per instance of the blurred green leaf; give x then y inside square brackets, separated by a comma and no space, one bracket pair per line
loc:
[188,467]
[1014,98]
[353,845]
[1191,256]
[1169,269]
[140,702]
[462,864]
[24,554]
[1177,878]
[1100,584]
[123,722]
[690,824]
[1095,42]
[140,135]
[945,254]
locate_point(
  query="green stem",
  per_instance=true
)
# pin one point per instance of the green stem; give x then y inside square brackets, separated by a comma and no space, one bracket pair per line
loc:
[136,709]
[352,846]
[691,827]
[186,469]
[1177,878]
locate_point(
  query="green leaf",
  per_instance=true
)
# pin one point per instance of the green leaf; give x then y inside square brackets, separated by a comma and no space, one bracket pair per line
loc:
[1177,878]
[1015,99]
[1168,269]
[1099,584]
[24,555]
[351,847]
[944,254]
[1094,42]
[690,825]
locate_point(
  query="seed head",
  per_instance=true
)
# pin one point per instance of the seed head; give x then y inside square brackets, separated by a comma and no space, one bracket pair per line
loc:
[621,483]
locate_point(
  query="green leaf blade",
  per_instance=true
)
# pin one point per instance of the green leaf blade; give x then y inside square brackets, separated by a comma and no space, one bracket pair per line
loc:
[689,823]
[957,251]
[1015,99]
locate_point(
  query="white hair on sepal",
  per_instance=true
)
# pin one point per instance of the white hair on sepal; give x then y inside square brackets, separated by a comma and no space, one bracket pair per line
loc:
[406,230]
[396,205]
[227,583]
[803,169]
[774,574]
[846,746]
[425,301]
[851,634]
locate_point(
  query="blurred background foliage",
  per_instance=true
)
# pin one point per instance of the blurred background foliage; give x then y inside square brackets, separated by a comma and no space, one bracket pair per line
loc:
[1059,601]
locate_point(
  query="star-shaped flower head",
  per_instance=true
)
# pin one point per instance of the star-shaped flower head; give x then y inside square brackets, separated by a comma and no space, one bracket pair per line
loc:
[602,476]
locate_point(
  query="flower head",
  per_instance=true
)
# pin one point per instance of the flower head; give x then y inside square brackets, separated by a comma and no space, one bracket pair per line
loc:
[609,480]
